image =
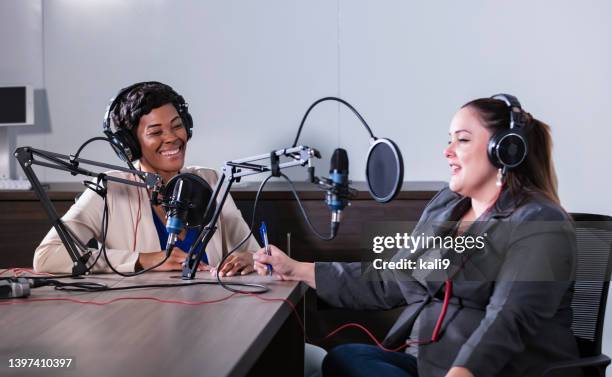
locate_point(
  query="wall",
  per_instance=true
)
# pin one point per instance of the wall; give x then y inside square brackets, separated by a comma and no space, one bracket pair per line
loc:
[21,46]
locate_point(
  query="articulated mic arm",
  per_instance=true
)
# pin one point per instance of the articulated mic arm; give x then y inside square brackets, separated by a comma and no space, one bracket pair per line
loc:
[77,251]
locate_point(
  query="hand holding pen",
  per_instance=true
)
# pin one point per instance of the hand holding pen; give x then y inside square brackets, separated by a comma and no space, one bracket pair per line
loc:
[263,231]
[284,267]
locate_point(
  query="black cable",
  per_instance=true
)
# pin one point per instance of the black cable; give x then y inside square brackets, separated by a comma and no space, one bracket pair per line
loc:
[86,251]
[365,124]
[262,288]
[102,190]
[76,155]
[85,286]
[104,229]
[128,162]
[310,225]
[103,248]
[93,264]
[219,281]
[304,214]
[98,287]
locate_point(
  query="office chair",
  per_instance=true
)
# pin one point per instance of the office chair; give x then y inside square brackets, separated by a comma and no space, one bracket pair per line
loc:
[594,239]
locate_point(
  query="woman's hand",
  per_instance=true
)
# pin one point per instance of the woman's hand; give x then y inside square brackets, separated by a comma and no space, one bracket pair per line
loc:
[459,372]
[239,262]
[283,267]
[174,262]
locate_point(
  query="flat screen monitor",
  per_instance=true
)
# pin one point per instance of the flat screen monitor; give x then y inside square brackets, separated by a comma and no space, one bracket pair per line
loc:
[16,105]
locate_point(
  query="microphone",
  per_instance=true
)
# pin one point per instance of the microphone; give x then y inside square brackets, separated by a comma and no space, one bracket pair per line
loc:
[338,192]
[178,210]
[189,206]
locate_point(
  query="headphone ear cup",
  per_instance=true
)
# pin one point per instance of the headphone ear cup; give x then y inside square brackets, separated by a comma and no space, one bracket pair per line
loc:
[125,145]
[507,149]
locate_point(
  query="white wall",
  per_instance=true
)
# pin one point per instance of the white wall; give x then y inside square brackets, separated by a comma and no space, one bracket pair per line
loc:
[250,69]
[21,42]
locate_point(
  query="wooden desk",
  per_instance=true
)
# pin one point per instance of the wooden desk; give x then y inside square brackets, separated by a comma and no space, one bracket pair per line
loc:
[238,337]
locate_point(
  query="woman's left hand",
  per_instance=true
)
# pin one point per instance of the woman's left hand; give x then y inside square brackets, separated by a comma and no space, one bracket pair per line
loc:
[459,372]
[239,263]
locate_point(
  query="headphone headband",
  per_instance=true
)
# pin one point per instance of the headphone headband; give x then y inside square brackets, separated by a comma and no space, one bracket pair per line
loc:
[518,117]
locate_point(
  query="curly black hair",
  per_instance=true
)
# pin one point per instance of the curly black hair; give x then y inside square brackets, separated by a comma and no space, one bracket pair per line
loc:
[140,100]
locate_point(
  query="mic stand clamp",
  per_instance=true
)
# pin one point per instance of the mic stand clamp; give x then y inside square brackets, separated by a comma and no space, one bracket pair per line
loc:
[274,167]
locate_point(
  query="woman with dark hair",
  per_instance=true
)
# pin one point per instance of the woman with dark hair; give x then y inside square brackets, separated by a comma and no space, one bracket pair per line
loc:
[502,309]
[537,172]
[150,125]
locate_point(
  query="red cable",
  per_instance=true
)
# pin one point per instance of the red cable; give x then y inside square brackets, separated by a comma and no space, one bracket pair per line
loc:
[378,343]
[448,291]
[102,303]
[16,271]
[373,337]
[340,328]
[179,302]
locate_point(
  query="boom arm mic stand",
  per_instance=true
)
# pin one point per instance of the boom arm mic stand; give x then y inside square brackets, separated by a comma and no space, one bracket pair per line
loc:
[233,171]
[26,157]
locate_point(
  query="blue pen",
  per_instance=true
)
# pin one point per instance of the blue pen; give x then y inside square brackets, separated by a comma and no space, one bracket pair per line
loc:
[263,231]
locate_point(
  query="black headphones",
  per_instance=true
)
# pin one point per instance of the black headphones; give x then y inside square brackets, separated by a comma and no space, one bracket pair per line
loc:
[122,140]
[507,149]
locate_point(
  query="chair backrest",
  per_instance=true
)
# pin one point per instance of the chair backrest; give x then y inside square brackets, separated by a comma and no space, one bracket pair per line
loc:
[594,239]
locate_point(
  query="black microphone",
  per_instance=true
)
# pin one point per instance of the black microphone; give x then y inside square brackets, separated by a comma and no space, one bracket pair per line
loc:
[338,194]
[178,209]
[190,200]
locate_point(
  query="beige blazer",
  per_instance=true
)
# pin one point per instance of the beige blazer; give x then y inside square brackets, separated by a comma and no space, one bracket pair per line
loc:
[131,229]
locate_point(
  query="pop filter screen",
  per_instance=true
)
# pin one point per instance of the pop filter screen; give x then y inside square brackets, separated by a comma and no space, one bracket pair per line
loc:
[199,197]
[384,170]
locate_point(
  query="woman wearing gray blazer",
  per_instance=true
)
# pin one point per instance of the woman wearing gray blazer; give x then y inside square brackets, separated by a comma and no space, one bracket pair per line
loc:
[500,308]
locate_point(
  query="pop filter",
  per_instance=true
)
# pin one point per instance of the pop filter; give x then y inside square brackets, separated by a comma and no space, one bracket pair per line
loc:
[198,199]
[384,170]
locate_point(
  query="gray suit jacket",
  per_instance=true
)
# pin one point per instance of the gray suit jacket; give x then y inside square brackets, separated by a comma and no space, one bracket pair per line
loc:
[510,312]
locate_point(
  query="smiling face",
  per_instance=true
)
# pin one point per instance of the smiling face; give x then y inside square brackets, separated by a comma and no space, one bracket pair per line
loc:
[163,141]
[466,153]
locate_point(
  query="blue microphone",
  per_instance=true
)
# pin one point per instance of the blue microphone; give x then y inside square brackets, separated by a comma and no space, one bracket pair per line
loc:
[338,194]
[178,209]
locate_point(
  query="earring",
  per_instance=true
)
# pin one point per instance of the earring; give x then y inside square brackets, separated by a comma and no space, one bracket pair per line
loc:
[500,177]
